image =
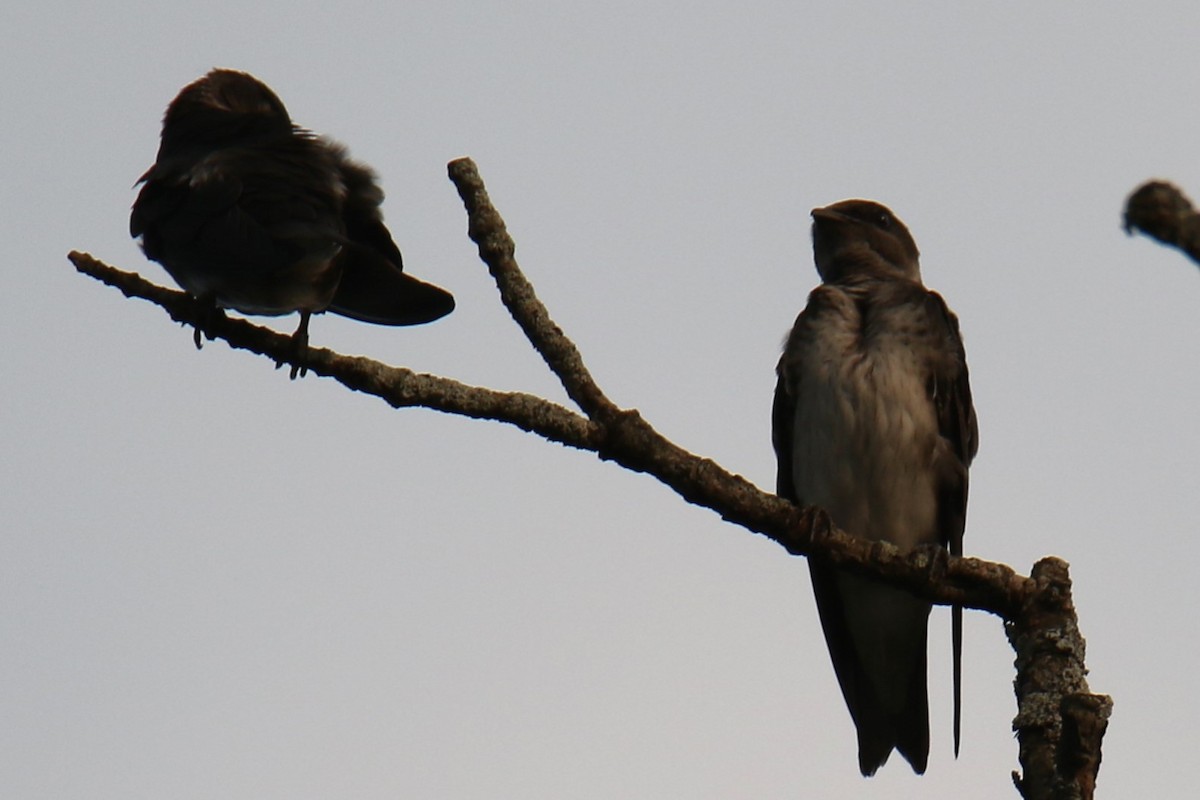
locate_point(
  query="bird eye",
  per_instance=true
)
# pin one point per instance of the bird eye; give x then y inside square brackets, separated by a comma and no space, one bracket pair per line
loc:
[884,220]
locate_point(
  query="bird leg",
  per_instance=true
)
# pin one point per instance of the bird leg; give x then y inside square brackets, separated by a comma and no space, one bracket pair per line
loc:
[299,347]
[207,314]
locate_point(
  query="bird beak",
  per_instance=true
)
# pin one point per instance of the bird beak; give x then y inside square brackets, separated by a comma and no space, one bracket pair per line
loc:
[826,214]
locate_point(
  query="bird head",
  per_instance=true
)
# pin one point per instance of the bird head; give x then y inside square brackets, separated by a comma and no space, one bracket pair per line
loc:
[862,237]
[223,108]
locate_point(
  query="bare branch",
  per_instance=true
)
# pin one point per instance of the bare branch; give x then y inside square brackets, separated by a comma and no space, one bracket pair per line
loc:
[626,439]
[623,437]
[397,386]
[1060,724]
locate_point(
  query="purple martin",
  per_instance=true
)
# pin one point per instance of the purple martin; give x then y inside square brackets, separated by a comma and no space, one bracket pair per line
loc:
[246,210]
[873,422]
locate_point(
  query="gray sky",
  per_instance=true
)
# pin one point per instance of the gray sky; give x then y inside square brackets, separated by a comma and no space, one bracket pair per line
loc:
[215,582]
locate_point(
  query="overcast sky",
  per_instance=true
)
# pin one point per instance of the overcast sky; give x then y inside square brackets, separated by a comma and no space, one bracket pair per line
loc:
[218,583]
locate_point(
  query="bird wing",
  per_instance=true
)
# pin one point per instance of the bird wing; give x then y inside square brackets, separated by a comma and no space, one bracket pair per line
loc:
[229,212]
[950,392]
[174,211]
[783,411]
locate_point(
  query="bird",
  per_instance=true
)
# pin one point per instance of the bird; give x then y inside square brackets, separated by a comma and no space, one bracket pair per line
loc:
[873,421]
[248,211]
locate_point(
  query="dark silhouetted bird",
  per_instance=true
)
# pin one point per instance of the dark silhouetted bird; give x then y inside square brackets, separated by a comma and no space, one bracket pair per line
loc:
[873,422]
[247,211]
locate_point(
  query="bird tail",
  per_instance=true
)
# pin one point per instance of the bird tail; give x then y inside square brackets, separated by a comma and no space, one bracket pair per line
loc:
[374,290]
[877,638]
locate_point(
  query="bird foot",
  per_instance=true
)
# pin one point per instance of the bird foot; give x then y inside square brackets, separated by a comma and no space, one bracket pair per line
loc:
[208,315]
[299,349]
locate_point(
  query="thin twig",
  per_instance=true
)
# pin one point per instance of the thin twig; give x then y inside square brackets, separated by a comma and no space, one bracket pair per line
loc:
[497,249]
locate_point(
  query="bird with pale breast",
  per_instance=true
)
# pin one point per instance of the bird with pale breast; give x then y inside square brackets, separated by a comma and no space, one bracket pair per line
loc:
[873,421]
